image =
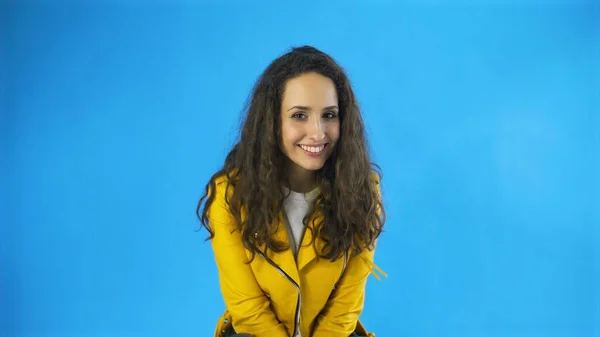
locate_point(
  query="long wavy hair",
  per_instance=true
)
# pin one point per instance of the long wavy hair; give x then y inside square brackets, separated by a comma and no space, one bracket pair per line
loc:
[353,213]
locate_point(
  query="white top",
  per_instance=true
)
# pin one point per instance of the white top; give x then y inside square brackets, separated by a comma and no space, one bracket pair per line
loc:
[297,206]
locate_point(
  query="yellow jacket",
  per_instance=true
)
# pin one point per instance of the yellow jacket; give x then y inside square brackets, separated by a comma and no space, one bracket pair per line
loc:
[275,296]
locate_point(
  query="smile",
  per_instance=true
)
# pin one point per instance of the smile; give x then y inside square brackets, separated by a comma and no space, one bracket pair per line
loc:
[313,150]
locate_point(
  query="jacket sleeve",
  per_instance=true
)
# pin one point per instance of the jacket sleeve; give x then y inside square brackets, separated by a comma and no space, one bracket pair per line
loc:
[341,313]
[249,307]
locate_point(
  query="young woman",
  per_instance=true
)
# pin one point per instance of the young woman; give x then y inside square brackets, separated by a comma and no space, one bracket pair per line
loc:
[295,211]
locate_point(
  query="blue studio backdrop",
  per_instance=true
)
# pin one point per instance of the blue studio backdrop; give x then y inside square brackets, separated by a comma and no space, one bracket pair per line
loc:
[484,118]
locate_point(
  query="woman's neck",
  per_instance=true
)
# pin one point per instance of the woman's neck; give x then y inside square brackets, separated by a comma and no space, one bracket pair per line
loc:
[301,180]
[303,186]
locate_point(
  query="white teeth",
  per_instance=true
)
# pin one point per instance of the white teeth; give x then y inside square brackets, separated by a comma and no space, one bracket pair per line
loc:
[313,149]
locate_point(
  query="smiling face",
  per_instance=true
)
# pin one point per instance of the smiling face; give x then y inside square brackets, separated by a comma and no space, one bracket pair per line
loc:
[310,124]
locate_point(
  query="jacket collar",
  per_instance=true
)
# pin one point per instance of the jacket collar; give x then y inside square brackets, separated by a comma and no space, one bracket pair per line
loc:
[306,252]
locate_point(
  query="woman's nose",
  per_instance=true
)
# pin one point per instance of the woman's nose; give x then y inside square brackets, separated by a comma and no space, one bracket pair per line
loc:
[316,130]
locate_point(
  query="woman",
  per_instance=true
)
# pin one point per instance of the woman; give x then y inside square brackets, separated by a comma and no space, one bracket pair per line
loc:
[295,211]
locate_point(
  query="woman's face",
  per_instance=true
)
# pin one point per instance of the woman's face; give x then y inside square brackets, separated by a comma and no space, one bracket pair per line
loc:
[310,124]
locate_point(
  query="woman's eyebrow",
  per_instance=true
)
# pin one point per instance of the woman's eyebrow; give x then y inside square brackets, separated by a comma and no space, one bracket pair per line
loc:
[301,107]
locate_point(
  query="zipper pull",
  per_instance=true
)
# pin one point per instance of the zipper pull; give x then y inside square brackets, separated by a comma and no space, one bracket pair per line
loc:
[374,268]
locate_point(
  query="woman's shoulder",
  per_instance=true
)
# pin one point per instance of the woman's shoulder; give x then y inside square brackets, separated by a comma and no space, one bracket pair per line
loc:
[375,177]
[224,182]
[220,192]
[222,177]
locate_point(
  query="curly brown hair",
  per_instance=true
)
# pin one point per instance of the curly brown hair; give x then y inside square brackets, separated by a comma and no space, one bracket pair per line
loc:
[349,198]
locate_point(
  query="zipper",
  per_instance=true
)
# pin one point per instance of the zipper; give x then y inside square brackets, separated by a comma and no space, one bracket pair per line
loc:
[289,278]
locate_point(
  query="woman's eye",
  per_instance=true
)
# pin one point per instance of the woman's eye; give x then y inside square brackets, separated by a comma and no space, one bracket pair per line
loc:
[299,115]
[329,115]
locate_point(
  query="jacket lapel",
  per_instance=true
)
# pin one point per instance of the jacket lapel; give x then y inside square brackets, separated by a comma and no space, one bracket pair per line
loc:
[306,252]
[284,260]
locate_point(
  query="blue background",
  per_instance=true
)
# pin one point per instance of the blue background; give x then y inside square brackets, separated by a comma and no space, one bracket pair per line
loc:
[484,117]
